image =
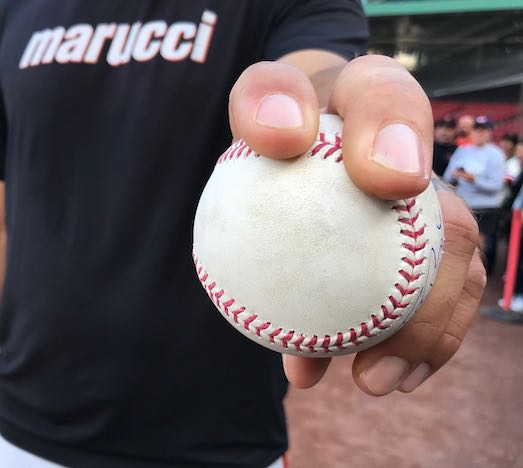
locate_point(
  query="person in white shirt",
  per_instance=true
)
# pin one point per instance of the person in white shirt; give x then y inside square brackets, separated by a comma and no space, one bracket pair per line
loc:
[513,164]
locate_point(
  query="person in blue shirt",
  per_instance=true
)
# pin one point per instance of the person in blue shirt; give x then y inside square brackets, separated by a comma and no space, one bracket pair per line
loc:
[477,171]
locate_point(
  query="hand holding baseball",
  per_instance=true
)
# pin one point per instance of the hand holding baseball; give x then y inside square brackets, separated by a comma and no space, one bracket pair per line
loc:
[387,149]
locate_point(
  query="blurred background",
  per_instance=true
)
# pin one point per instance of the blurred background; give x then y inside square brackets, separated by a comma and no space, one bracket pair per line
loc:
[468,56]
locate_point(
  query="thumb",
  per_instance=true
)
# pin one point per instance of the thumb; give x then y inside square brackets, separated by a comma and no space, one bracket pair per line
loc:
[274,108]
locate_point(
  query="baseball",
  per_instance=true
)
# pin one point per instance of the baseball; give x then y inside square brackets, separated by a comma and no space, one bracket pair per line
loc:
[298,259]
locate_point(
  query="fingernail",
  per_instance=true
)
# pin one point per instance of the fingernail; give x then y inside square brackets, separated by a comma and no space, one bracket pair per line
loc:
[398,147]
[279,111]
[385,376]
[416,378]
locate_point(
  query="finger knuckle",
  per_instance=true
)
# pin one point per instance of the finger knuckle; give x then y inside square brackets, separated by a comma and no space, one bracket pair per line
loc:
[391,82]
[462,319]
[477,279]
[448,345]
[456,212]
[427,331]
[376,60]
[462,233]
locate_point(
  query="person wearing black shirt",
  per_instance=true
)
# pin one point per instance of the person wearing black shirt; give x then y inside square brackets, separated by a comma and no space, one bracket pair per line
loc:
[112,115]
[444,146]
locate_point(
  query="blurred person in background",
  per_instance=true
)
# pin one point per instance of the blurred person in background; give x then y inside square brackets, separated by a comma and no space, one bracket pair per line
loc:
[464,130]
[517,183]
[516,202]
[511,191]
[508,143]
[444,146]
[513,165]
[512,170]
[478,172]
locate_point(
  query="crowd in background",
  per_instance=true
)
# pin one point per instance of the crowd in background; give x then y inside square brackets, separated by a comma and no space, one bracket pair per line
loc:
[487,175]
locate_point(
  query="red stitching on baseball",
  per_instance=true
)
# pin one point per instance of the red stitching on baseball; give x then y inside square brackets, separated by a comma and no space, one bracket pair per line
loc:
[378,323]
[415,248]
[365,331]
[237,312]
[407,207]
[410,277]
[405,291]
[398,304]
[247,322]
[227,304]
[274,334]
[298,342]
[409,221]
[315,150]
[334,147]
[312,344]
[413,263]
[332,151]
[288,337]
[329,145]
[339,341]
[387,314]
[218,295]
[353,337]
[413,234]
[326,343]
[261,327]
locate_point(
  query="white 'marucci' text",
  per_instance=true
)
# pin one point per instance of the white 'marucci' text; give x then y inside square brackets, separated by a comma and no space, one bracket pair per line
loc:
[83,43]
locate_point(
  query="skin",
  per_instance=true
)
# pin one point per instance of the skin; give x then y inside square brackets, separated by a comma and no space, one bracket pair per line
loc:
[507,147]
[444,135]
[369,93]
[481,136]
[519,151]
[465,125]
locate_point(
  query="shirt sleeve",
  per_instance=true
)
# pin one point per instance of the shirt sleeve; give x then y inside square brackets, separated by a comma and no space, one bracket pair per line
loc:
[338,26]
[512,169]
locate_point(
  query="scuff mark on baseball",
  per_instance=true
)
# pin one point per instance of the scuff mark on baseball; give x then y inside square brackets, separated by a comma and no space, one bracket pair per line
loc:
[301,261]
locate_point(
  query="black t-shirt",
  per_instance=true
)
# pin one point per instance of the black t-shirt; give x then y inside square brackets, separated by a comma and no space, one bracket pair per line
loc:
[442,154]
[112,115]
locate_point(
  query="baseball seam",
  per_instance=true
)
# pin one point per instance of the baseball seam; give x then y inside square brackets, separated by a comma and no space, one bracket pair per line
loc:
[412,230]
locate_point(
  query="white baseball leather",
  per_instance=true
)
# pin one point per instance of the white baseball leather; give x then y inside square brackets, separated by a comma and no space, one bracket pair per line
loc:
[298,259]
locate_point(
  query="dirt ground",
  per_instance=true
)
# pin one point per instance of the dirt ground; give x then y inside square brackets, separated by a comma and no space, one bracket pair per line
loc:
[469,415]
